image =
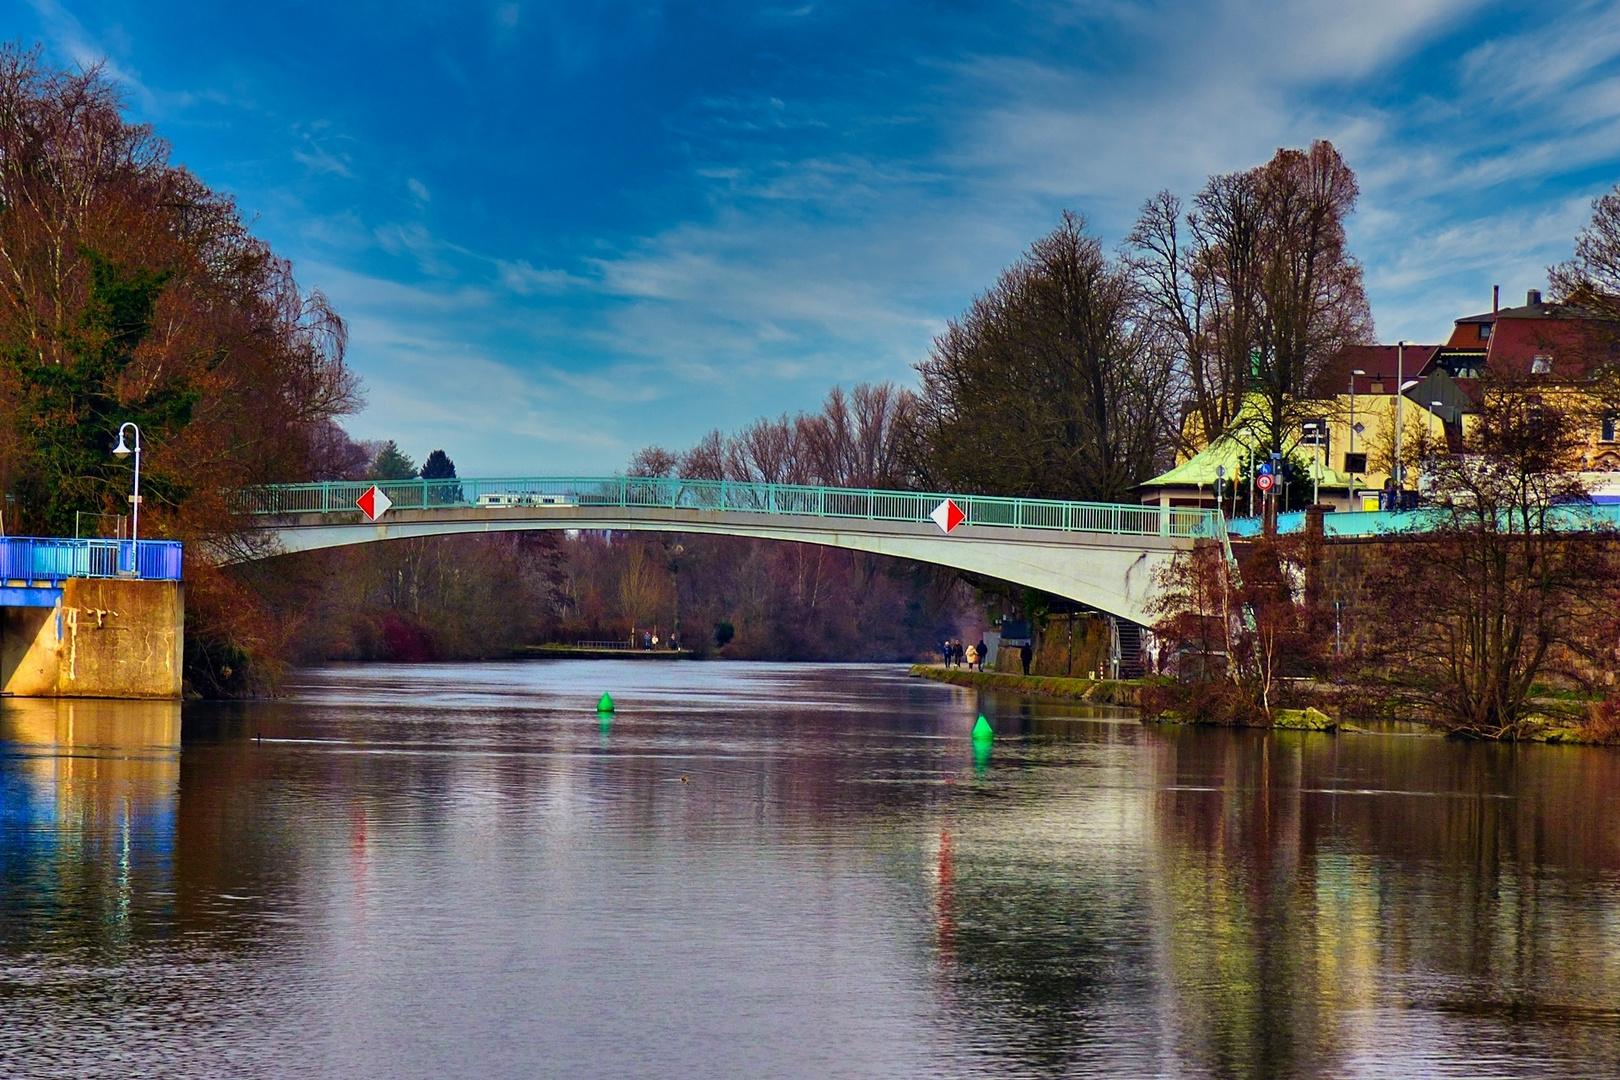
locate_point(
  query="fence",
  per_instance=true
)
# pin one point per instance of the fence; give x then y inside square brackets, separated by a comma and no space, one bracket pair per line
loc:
[27,558]
[726,495]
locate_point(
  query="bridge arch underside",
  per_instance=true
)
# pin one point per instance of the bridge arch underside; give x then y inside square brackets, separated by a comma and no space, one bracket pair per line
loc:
[1114,573]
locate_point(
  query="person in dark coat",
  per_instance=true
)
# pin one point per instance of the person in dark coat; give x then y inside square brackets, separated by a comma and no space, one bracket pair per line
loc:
[1025,655]
[981,647]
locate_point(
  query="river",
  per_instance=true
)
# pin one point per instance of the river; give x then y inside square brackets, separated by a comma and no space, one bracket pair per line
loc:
[759,870]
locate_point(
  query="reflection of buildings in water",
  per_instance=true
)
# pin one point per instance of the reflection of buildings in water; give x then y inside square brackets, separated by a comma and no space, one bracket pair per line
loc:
[88,793]
[1312,887]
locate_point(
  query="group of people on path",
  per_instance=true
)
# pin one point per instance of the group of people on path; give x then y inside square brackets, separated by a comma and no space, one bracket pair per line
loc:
[970,656]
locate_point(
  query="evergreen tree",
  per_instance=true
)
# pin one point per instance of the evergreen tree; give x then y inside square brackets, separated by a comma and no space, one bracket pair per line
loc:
[438,466]
[392,463]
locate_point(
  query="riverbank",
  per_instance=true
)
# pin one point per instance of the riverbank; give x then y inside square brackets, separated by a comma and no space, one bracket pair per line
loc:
[1090,691]
[577,652]
[1129,693]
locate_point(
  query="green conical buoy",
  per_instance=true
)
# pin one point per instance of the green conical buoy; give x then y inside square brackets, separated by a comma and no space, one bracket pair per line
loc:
[606,704]
[982,731]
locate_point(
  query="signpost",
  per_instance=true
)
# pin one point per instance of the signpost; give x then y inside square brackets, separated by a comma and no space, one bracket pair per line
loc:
[947,515]
[373,503]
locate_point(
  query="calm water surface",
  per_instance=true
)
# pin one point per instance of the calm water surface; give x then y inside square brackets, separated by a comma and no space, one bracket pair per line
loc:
[785,871]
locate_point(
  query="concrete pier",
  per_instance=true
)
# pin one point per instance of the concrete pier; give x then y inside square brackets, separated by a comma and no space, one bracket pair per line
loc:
[102,638]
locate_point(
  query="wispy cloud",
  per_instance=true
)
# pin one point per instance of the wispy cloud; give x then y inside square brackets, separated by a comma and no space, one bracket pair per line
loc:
[562,232]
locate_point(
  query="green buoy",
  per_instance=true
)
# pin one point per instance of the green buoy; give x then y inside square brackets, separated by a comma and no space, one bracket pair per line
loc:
[982,731]
[606,704]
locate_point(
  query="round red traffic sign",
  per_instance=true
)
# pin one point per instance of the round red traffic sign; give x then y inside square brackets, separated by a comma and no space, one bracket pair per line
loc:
[1264,481]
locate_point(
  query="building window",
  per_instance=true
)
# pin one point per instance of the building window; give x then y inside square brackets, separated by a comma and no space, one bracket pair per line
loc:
[1355,463]
[1484,331]
[1377,388]
[1609,422]
[1541,365]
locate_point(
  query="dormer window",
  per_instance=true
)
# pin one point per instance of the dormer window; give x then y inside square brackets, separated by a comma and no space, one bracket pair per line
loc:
[1541,365]
[1609,422]
[1484,331]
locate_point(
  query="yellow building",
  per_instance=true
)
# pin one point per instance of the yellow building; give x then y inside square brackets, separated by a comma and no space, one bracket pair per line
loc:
[1345,445]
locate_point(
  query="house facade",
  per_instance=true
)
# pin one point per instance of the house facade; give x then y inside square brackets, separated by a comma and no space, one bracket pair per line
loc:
[1346,446]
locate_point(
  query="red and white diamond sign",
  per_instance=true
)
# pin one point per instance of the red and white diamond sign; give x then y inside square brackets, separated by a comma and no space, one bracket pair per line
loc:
[373,503]
[947,515]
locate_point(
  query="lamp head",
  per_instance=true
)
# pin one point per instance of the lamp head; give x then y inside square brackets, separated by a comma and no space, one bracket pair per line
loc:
[121,450]
[1358,371]
[1408,384]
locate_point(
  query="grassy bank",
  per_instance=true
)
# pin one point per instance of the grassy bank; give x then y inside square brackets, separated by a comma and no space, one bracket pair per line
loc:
[1129,693]
[1089,691]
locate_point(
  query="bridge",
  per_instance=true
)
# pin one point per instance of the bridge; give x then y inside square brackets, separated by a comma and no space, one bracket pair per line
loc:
[1102,555]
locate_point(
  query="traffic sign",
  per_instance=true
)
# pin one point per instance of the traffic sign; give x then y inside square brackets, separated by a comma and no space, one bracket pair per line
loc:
[947,515]
[1264,481]
[373,503]
[1263,469]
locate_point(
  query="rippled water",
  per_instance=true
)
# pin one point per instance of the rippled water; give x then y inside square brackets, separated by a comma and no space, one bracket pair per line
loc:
[785,871]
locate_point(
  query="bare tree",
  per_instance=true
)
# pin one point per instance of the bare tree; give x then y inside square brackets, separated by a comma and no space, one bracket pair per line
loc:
[1592,277]
[1255,288]
[856,440]
[1510,584]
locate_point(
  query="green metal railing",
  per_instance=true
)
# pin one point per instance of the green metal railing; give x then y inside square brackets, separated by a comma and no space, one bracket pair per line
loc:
[333,497]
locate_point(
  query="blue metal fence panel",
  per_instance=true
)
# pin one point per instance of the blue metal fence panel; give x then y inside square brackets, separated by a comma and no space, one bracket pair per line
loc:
[34,558]
[731,495]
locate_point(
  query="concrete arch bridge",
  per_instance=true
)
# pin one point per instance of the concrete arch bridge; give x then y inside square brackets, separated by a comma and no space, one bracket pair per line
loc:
[1102,555]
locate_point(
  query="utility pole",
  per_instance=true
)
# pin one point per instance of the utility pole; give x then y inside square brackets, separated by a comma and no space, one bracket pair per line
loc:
[1400,395]
[1350,491]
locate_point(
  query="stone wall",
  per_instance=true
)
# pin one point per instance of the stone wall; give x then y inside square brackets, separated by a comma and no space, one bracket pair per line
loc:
[1068,646]
[107,638]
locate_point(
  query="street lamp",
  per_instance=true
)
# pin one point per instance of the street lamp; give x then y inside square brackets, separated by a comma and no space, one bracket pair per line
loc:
[123,450]
[1351,490]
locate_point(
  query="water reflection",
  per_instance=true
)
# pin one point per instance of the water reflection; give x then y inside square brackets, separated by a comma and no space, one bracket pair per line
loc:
[755,871]
[88,794]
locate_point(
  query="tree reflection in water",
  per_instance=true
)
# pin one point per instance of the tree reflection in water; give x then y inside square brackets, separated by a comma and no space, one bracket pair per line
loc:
[769,870]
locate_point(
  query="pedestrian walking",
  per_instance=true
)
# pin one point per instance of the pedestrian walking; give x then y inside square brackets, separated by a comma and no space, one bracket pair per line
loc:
[984,653]
[972,656]
[1026,654]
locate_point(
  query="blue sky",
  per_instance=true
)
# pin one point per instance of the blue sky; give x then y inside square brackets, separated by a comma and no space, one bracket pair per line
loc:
[562,231]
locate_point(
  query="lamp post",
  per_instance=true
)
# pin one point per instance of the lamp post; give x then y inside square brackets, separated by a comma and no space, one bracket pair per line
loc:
[1400,395]
[123,450]
[1351,490]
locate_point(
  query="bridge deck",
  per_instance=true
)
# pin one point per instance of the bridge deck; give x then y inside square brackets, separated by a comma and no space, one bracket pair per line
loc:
[338,497]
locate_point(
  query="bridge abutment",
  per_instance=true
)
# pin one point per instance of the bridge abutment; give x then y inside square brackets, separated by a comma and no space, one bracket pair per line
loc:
[103,638]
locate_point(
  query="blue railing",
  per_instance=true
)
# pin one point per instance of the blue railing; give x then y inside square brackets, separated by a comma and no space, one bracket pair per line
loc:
[1570,517]
[30,558]
[334,497]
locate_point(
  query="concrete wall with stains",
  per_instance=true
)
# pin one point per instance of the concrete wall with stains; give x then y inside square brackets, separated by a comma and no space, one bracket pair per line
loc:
[108,638]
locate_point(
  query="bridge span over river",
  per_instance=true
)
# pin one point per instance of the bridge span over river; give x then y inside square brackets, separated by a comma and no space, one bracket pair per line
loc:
[1103,555]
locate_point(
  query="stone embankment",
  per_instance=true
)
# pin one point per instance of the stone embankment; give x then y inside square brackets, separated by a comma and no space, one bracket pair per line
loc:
[1089,691]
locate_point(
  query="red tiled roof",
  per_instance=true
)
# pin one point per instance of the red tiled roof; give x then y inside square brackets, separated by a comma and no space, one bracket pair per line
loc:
[1379,362]
[1567,344]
